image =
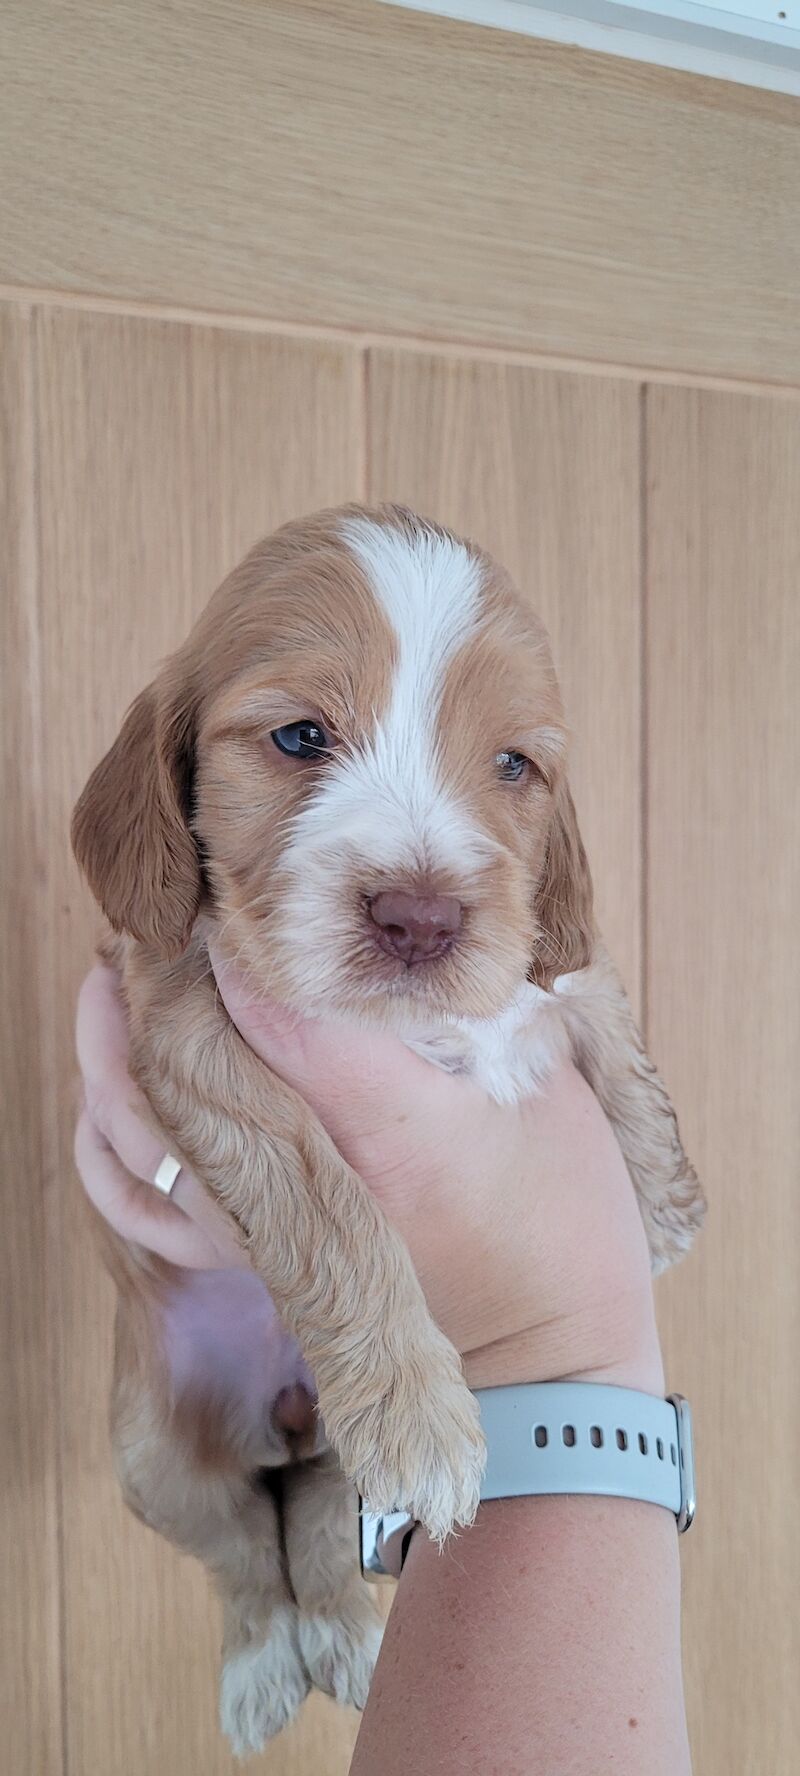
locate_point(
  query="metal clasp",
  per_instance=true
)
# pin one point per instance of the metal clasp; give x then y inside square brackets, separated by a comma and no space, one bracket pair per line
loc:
[683,1413]
[383,1542]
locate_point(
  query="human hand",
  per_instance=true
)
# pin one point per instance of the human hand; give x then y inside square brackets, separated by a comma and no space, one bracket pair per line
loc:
[117,1154]
[521,1220]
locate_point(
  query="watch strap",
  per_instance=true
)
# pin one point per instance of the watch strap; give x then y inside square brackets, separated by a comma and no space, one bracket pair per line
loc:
[563,1437]
[586,1438]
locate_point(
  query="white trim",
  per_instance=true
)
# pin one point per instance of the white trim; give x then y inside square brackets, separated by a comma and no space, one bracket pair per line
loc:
[725,45]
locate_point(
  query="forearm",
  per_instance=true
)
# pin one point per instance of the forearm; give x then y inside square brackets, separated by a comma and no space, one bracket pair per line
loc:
[545,1641]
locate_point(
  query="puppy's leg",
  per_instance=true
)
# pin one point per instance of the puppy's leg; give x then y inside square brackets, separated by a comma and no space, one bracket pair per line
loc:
[391,1391]
[340,1624]
[610,1053]
[232,1527]
[191,1489]
[264,1678]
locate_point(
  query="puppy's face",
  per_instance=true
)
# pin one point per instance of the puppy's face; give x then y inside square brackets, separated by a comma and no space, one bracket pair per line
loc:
[364,739]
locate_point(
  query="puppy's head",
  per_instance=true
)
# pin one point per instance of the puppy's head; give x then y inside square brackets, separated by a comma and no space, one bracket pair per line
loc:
[356,763]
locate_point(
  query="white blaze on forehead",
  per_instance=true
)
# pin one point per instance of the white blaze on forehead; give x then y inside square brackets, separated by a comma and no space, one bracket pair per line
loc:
[429,589]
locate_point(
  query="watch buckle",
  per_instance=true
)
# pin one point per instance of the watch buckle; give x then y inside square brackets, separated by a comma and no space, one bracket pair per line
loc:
[381,1542]
[683,1413]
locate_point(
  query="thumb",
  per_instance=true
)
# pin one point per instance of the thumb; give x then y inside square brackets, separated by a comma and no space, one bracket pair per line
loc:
[347,1076]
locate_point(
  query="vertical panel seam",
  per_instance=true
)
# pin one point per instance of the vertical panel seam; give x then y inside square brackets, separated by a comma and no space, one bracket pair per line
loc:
[52,1244]
[644,721]
[366,425]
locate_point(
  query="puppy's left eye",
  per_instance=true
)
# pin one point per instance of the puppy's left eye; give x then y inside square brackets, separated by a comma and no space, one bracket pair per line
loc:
[301,740]
[512,766]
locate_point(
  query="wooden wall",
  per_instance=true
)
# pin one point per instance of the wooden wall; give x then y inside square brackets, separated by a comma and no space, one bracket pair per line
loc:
[339,162]
[163,160]
[658,531]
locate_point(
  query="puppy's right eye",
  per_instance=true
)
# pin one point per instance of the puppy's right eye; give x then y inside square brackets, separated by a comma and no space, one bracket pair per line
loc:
[301,740]
[513,766]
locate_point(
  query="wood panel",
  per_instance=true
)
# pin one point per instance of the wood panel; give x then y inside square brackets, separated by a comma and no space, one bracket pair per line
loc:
[724,891]
[29,1596]
[164,451]
[543,469]
[346,162]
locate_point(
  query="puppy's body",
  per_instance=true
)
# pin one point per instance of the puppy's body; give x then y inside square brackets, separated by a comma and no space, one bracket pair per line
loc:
[353,778]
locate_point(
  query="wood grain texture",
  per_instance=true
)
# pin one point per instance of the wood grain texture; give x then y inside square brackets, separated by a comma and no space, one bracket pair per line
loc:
[154,453]
[164,451]
[724,891]
[30,1676]
[543,469]
[346,162]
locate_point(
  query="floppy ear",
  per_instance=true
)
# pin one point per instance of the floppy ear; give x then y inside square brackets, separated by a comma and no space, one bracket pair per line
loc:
[129,830]
[563,899]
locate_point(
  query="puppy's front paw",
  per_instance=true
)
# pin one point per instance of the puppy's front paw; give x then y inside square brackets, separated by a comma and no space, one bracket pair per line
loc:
[339,1651]
[420,1447]
[263,1685]
[672,1222]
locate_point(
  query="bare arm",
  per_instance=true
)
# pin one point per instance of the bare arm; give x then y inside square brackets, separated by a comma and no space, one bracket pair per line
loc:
[544,1640]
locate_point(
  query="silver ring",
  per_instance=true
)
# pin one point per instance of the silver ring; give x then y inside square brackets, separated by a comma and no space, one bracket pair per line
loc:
[167,1174]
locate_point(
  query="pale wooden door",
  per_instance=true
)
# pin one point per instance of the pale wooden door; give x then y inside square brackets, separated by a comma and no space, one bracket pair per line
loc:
[655,521]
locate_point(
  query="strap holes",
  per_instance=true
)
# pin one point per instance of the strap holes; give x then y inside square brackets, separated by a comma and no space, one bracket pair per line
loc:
[596,1437]
[659,1449]
[622,1439]
[540,1436]
[568,1436]
[642,1443]
[673,1455]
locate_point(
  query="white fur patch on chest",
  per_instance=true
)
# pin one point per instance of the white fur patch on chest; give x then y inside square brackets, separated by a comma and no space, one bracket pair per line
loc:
[511,1055]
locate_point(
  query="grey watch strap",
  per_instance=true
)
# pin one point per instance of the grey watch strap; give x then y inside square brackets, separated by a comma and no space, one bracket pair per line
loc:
[566,1437]
[583,1437]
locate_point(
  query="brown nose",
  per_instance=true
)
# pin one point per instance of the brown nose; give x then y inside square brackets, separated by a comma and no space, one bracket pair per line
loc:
[415,927]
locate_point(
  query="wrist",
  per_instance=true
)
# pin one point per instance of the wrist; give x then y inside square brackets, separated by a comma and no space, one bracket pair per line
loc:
[620,1348]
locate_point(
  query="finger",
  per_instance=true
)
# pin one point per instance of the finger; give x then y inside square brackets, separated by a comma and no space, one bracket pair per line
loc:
[102,1026]
[120,1114]
[217,1226]
[134,1209]
[115,1105]
[341,1071]
[118,1110]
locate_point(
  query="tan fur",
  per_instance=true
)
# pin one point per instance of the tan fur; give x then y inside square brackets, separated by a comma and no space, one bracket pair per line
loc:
[608,1048]
[565,939]
[389,1384]
[218,1513]
[339,1623]
[188,814]
[149,882]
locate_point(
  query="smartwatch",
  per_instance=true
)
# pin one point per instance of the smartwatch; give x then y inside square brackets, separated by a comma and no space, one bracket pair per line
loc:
[564,1437]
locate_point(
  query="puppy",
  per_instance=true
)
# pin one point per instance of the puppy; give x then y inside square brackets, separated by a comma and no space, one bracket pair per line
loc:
[353,776]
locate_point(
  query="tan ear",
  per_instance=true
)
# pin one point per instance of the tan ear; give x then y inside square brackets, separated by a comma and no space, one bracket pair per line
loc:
[563,899]
[129,830]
